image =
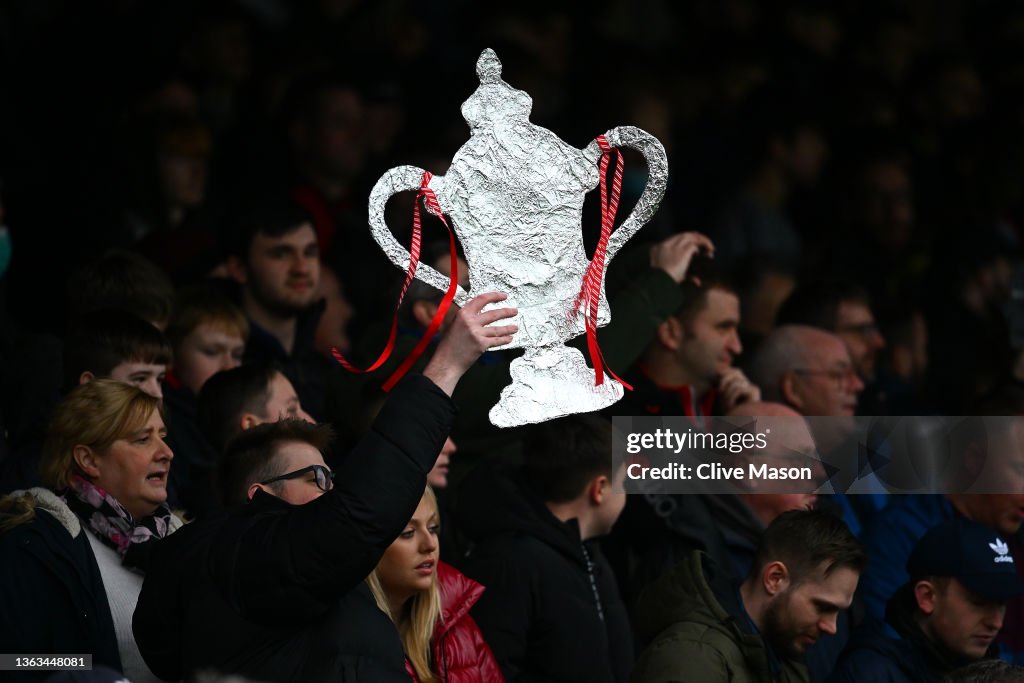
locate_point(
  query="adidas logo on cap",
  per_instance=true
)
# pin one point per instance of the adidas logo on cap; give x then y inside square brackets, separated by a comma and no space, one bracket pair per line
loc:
[1002,551]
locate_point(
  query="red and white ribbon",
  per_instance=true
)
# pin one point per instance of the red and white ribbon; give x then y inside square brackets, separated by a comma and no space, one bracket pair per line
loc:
[430,201]
[590,291]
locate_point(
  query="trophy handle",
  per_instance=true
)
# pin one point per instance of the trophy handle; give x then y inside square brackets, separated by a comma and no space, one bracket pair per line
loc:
[657,177]
[401,179]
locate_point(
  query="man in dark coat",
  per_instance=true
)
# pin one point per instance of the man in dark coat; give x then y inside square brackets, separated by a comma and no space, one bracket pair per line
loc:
[551,610]
[946,616]
[262,588]
[708,628]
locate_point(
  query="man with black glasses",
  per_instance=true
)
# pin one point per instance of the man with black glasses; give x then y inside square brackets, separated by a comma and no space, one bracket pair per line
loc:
[272,588]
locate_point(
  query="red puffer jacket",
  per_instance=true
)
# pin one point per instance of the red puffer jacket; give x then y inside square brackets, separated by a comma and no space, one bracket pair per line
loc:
[461,655]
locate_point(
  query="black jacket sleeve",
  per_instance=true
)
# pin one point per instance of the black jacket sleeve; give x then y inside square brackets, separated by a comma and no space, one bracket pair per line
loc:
[299,563]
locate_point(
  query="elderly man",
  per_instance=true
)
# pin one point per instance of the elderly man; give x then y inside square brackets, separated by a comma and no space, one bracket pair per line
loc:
[808,369]
[844,309]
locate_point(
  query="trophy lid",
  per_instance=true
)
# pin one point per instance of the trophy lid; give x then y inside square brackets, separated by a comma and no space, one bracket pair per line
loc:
[494,100]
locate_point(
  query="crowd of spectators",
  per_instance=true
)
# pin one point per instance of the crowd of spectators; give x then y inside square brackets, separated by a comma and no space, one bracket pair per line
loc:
[183,210]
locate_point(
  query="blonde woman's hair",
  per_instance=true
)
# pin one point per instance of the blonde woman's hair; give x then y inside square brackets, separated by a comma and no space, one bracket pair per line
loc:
[418,617]
[94,414]
[16,510]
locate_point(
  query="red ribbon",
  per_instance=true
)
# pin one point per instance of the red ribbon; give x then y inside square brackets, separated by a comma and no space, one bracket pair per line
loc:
[590,291]
[430,201]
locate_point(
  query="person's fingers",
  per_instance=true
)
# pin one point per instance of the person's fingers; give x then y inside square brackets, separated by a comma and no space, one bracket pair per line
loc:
[725,391]
[498,341]
[477,303]
[500,331]
[488,317]
[698,239]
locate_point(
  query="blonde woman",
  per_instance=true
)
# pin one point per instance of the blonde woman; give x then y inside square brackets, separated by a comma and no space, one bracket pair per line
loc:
[76,551]
[429,602]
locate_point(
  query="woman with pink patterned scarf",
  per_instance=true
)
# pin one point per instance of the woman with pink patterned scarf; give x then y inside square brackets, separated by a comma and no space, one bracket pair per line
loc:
[75,553]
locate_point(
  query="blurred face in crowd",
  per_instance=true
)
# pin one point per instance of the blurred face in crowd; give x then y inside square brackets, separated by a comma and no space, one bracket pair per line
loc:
[294,456]
[282,273]
[1003,512]
[409,565]
[146,376]
[790,445]
[801,613]
[437,478]
[425,309]
[205,351]
[134,469]
[960,619]
[711,340]
[826,384]
[332,328]
[183,179]
[806,155]
[999,478]
[856,327]
[888,204]
[334,143]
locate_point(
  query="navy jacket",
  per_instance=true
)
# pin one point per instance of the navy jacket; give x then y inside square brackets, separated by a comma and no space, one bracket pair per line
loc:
[52,598]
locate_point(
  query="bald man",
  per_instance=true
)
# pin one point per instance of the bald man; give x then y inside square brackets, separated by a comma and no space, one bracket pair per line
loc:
[789,445]
[808,369]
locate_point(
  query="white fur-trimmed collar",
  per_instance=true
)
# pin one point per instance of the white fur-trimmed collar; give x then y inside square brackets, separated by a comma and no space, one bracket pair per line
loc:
[52,503]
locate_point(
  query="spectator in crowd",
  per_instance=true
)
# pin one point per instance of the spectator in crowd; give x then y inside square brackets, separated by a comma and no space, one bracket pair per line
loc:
[882,235]
[726,523]
[168,218]
[688,368]
[551,609]
[122,280]
[117,345]
[207,334]
[785,150]
[429,601]
[952,454]
[808,369]
[332,329]
[970,334]
[706,628]
[105,467]
[947,615]
[292,555]
[762,286]
[844,310]
[244,397]
[327,135]
[276,263]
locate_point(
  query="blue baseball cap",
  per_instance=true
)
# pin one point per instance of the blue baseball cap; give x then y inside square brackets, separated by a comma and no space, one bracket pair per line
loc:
[973,554]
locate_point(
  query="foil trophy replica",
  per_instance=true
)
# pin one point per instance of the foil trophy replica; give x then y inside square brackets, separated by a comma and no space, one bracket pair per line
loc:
[515,192]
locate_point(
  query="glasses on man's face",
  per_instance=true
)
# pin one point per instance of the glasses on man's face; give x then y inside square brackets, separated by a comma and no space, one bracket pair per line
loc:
[322,476]
[841,376]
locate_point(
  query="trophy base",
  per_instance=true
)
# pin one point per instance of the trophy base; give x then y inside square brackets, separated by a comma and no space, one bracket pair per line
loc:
[551,382]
